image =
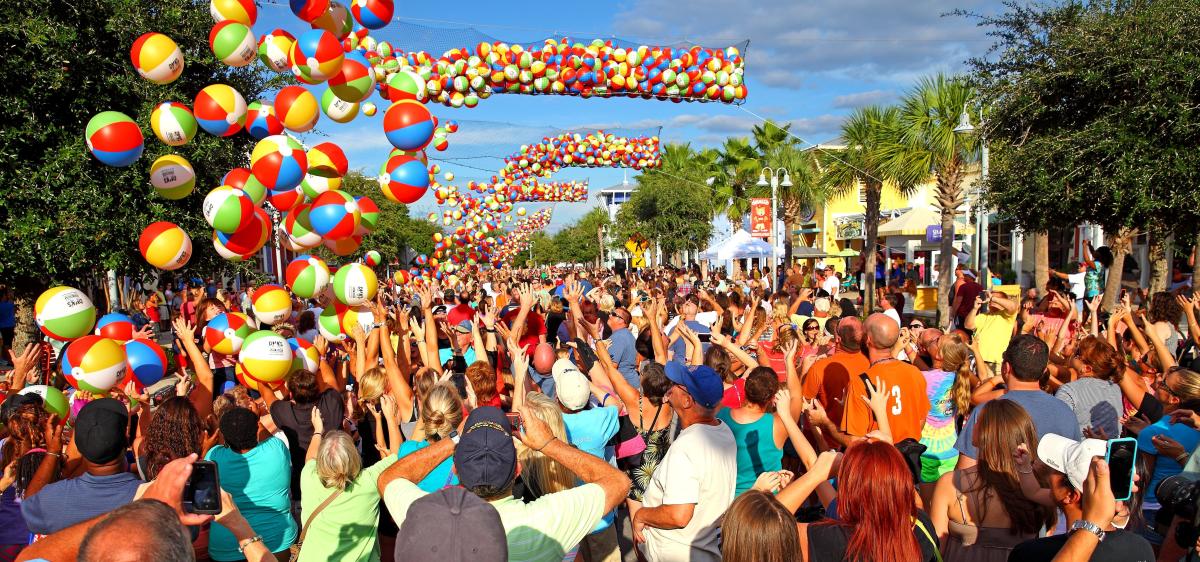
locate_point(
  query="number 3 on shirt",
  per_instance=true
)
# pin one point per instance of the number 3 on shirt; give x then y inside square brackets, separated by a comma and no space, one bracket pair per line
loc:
[896,406]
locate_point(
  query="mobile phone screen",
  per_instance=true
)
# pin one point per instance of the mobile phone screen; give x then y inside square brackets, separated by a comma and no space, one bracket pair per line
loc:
[514,420]
[202,494]
[705,337]
[1121,457]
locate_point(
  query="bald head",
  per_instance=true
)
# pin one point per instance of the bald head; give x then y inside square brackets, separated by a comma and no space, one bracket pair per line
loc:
[928,339]
[850,333]
[882,331]
[543,357]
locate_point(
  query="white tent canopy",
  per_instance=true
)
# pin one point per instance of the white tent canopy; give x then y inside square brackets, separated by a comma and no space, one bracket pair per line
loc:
[739,246]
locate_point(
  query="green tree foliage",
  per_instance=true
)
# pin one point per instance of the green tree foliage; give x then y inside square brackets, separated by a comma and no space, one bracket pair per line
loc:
[396,235]
[580,242]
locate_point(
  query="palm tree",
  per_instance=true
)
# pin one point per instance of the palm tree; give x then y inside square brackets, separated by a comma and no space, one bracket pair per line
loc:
[873,155]
[777,148]
[736,169]
[930,112]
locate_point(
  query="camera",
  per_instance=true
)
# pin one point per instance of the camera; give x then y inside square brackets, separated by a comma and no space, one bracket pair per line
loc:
[1180,495]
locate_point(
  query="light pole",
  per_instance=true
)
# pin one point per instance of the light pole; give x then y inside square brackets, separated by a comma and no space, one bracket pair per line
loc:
[775,183]
[981,226]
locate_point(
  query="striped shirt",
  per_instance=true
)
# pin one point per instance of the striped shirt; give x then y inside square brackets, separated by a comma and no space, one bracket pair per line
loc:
[1096,403]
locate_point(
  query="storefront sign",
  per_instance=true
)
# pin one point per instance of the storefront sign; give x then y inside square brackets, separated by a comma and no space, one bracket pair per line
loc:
[760,218]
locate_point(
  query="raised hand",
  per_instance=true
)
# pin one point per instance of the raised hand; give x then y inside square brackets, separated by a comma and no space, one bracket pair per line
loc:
[184,330]
[317,423]
[1022,457]
[24,364]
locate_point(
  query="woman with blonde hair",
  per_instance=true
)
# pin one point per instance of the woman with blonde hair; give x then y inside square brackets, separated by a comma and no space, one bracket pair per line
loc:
[340,502]
[948,385]
[540,475]
[441,413]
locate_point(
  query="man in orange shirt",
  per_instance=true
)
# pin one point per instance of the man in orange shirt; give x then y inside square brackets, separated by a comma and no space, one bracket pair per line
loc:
[907,402]
[828,378]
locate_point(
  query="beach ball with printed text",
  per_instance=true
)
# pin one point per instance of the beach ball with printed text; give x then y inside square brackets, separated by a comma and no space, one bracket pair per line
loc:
[233,43]
[274,49]
[172,177]
[271,304]
[166,246]
[64,313]
[355,284]
[173,123]
[157,58]
[266,356]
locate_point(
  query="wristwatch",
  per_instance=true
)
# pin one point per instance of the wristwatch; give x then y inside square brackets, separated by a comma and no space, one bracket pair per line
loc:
[454,436]
[1089,527]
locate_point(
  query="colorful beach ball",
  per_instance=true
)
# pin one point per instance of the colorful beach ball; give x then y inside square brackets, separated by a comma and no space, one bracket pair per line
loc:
[369,109]
[407,179]
[248,240]
[173,123]
[344,246]
[261,121]
[329,323]
[337,109]
[271,304]
[115,326]
[372,258]
[297,108]
[307,276]
[336,20]
[274,48]
[298,226]
[405,85]
[241,11]
[355,82]
[266,356]
[373,14]
[308,10]
[334,215]
[355,284]
[369,212]
[408,125]
[305,354]
[328,160]
[285,200]
[279,162]
[172,177]
[236,178]
[360,316]
[227,209]
[255,189]
[114,139]
[314,185]
[225,333]
[94,364]
[64,313]
[220,110]
[166,246]
[53,399]
[146,360]
[239,372]
[316,56]
[233,43]
[157,58]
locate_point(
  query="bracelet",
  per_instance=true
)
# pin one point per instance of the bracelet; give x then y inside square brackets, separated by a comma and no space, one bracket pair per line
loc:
[316,434]
[1030,471]
[242,545]
[61,456]
[544,445]
[1182,458]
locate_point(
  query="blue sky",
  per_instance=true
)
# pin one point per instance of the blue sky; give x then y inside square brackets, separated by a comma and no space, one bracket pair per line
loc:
[808,63]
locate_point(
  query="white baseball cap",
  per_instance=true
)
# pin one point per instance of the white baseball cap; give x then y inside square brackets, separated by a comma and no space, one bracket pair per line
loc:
[570,385]
[1070,457]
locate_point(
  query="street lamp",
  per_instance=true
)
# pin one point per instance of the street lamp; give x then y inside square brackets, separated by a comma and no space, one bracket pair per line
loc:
[981,225]
[775,184]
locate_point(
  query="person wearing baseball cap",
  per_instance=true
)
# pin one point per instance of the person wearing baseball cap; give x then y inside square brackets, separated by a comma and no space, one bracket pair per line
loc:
[485,460]
[1068,462]
[101,431]
[694,482]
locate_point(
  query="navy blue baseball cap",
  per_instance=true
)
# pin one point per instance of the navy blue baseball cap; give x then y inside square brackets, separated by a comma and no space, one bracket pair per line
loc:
[485,455]
[703,383]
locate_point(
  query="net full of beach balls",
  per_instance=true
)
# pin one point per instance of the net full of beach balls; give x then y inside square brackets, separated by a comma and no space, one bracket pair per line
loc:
[279,162]
[94,364]
[165,246]
[220,110]
[157,58]
[53,399]
[115,326]
[307,276]
[408,125]
[146,360]
[64,313]
[355,284]
[226,332]
[173,123]
[335,215]
[271,304]
[227,209]
[266,356]
[172,177]
[114,139]
[305,355]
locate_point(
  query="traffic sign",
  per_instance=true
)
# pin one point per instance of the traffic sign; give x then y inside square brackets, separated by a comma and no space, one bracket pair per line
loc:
[639,261]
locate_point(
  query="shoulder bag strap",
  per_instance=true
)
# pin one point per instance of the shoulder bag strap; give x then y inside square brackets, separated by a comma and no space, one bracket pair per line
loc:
[307,522]
[937,552]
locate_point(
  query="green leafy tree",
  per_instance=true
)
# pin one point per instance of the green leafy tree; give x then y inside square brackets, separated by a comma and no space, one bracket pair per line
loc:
[672,206]
[777,148]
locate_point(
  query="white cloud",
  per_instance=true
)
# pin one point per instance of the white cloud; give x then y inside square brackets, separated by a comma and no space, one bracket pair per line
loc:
[860,99]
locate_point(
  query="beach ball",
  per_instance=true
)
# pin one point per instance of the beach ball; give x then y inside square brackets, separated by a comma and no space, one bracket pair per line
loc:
[239,372]
[309,10]
[307,276]
[115,326]
[220,110]
[157,58]
[298,226]
[53,399]
[408,125]
[369,109]
[344,246]
[64,313]
[233,43]
[271,304]
[305,355]
[146,360]
[266,356]
[327,160]
[335,215]
[246,240]
[225,333]
[407,180]
[337,109]
[316,56]
[94,364]
[166,246]
[314,185]
[236,177]
[172,177]
[255,190]
[273,50]
[296,108]
[355,284]
[369,212]
[173,123]
[336,20]
[360,316]
[373,14]
[355,82]
[227,209]
[241,11]
[278,162]
[114,139]
[372,258]
[329,323]
[261,121]
[286,199]
[405,85]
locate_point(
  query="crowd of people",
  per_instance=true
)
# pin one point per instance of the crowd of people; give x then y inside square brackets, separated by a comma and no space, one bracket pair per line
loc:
[665,415]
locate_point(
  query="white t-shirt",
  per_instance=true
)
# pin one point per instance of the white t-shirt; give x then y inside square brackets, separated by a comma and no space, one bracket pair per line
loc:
[831,285]
[1077,284]
[700,468]
[707,318]
[891,313]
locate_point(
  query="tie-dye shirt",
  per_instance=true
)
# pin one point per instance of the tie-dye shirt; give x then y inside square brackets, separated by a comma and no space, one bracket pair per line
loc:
[939,433]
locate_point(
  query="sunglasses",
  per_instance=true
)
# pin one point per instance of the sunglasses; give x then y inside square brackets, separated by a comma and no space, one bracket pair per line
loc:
[916,326]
